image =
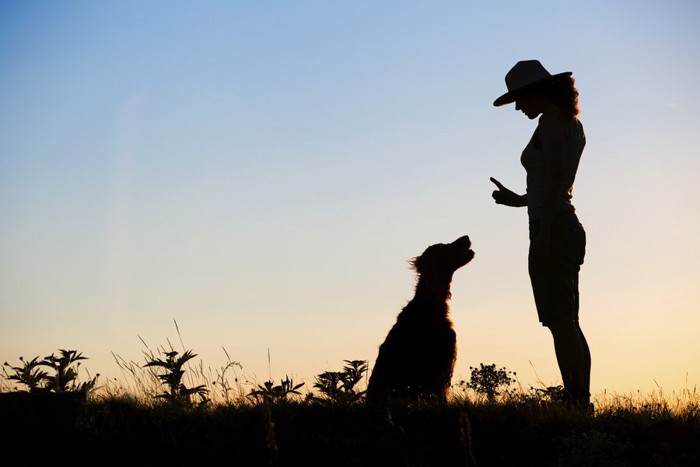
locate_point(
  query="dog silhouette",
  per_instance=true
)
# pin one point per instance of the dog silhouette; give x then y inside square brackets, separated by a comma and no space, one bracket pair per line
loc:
[417,358]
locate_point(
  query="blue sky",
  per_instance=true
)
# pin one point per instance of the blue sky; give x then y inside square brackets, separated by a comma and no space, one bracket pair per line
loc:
[261,172]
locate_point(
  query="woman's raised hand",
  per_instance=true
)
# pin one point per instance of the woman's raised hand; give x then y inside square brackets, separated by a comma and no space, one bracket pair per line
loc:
[506,197]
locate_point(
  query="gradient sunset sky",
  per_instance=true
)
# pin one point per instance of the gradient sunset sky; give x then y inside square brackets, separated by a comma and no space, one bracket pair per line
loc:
[261,172]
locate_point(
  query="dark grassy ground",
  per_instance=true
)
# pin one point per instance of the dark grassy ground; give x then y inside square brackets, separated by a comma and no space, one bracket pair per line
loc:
[121,432]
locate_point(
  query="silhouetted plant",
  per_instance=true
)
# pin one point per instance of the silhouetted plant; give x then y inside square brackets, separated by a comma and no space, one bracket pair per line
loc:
[339,386]
[551,393]
[221,382]
[268,392]
[28,374]
[489,380]
[172,378]
[540,396]
[65,376]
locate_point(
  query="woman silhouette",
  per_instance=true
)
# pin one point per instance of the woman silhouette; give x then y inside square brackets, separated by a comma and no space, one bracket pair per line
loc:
[557,239]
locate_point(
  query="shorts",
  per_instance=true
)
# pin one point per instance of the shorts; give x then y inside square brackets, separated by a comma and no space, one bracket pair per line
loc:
[555,278]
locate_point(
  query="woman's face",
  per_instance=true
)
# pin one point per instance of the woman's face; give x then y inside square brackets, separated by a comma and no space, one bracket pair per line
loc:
[530,103]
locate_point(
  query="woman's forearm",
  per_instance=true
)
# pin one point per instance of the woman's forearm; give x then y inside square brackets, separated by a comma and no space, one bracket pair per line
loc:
[522,201]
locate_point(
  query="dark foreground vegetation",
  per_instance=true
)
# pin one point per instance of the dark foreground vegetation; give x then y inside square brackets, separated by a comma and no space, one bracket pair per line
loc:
[46,429]
[48,417]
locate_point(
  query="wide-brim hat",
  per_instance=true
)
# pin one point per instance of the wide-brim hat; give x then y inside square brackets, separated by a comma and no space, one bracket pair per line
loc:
[522,76]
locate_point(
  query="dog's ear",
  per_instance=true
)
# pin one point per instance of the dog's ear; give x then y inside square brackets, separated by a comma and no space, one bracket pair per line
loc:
[415,263]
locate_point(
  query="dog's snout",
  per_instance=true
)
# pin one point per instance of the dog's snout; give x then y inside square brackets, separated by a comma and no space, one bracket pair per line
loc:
[463,241]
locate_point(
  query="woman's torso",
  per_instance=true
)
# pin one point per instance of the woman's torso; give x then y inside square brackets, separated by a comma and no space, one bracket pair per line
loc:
[533,160]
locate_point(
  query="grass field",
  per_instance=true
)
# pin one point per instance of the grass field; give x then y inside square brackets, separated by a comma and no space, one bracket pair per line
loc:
[126,431]
[171,414]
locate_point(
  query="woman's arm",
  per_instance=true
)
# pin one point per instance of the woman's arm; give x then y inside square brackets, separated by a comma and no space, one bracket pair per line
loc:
[504,196]
[551,134]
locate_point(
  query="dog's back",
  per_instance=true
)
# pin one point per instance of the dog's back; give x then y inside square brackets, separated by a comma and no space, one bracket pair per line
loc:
[416,359]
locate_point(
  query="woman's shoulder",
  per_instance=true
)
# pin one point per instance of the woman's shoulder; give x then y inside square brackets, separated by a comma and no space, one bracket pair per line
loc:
[555,121]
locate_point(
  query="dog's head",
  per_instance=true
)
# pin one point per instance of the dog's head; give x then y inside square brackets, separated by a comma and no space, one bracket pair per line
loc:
[444,258]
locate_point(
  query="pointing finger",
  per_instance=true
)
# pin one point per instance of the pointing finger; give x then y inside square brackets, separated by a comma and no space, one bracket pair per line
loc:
[497,183]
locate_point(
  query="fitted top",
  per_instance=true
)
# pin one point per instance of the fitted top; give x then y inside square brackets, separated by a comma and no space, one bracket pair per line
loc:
[533,160]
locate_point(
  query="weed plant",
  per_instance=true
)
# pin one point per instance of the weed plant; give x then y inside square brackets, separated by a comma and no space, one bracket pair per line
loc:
[340,387]
[62,379]
[268,392]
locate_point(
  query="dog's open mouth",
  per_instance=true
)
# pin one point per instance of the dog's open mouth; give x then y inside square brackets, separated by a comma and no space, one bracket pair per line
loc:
[470,255]
[465,242]
[462,251]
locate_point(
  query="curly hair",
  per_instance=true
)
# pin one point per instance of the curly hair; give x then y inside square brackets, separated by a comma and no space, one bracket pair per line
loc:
[562,92]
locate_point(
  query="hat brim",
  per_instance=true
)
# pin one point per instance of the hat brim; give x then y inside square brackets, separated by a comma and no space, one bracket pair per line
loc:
[513,94]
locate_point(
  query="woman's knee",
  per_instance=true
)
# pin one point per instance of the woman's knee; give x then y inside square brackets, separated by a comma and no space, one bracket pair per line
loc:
[563,324]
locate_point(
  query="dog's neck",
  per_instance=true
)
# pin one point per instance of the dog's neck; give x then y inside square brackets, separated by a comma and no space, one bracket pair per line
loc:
[435,290]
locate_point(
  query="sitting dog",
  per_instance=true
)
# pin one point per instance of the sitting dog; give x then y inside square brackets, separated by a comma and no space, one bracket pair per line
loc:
[417,359]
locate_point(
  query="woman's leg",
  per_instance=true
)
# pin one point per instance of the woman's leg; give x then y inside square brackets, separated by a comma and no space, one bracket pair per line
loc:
[586,358]
[573,357]
[555,287]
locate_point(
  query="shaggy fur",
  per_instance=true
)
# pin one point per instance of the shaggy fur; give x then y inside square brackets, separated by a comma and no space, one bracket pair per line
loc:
[417,358]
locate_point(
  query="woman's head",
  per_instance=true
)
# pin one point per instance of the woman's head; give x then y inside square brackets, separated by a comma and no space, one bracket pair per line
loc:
[534,89]
[559,91]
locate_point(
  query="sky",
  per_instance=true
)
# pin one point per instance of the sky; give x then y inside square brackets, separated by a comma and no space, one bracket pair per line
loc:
[261,172]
